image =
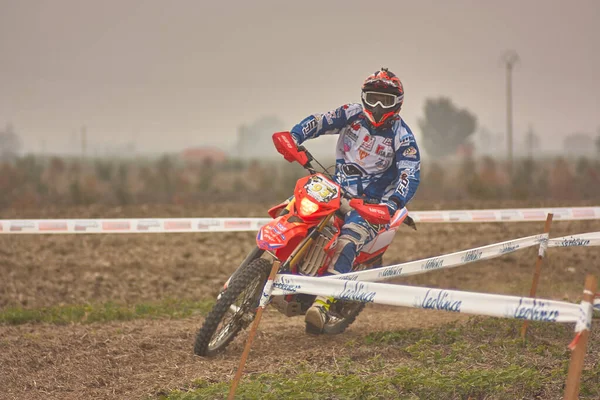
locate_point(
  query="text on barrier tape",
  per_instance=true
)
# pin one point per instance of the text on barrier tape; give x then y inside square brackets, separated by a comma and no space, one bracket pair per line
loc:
[436,299]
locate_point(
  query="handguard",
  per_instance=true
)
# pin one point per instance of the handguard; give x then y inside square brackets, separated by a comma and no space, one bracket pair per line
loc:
[374,213]
[285,145]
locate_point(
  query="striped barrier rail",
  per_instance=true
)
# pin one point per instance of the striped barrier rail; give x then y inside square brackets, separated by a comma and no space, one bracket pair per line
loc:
[175,225]
[429,264]
[492,305]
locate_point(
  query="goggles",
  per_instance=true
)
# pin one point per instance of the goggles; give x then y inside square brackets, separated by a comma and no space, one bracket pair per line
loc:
[385,100]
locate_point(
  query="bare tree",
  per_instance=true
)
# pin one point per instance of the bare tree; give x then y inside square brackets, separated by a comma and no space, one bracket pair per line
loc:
[10,144]
[532,142]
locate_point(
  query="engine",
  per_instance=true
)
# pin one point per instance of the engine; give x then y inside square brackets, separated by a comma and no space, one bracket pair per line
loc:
[316,255]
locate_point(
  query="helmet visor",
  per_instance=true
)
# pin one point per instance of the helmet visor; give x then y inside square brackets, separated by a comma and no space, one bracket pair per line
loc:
[385,100]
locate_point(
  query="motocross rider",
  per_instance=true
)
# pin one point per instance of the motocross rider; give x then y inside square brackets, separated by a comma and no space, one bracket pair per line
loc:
[377,158]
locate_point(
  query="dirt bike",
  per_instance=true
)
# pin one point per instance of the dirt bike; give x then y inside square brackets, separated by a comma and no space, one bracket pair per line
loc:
[302,237]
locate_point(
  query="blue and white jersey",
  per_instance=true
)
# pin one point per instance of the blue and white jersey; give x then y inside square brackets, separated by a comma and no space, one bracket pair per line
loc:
[378,164]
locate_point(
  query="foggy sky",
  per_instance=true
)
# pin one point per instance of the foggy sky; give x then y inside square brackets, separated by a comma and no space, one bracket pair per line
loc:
[184,73]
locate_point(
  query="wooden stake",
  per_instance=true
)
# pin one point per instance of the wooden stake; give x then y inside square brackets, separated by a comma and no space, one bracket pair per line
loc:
[538,270]
[259,312]
[578,353]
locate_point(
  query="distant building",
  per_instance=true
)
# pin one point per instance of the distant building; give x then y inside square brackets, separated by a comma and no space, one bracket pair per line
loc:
[203,154]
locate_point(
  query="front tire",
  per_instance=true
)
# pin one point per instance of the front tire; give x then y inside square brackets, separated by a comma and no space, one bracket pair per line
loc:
[235,309]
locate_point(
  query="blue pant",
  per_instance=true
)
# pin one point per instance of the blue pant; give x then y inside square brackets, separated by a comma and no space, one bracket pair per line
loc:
[356,232]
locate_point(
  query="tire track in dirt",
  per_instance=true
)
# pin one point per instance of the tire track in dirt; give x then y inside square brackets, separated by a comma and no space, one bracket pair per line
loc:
[137,359]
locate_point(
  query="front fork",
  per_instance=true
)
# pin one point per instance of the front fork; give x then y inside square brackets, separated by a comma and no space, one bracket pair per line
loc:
[291,260]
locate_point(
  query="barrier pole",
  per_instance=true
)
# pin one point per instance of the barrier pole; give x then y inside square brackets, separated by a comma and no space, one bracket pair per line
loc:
[259,312]
[538,269]
[578,353]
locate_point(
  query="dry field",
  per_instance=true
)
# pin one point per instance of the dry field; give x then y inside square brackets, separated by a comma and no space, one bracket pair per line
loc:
[146,357]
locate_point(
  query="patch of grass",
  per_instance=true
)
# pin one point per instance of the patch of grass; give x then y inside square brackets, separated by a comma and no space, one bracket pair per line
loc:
[405,382]
[319,385]
[480,359]
[486,357]
[88,313]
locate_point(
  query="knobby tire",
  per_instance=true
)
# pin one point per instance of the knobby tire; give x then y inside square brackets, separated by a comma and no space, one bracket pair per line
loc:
[256,271]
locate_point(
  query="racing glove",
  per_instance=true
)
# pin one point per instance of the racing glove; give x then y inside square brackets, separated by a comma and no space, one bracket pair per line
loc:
[393,205]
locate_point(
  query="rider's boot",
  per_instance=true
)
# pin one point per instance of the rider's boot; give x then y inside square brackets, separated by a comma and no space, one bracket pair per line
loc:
[316,316]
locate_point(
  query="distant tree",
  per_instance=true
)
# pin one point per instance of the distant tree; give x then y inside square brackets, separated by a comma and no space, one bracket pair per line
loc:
[254,140]
[445,128]
[532,142]
[598,142]
[10,144]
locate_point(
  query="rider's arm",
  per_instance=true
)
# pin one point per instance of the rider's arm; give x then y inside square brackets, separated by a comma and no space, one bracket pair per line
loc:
[408,164]
[329,123]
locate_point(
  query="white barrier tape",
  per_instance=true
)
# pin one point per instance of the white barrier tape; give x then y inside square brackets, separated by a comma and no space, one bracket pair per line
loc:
[152,225]
[438,299]
[586,312]
[165,225]
[543,247]
[266,294]
[433,263]
[504,215]
[585,239]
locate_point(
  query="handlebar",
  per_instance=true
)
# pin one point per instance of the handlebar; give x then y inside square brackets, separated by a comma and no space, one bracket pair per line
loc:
[345,199]
[291,151]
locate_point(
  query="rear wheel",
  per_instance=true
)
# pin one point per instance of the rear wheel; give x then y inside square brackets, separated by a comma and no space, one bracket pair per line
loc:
[235,308]
[343,313]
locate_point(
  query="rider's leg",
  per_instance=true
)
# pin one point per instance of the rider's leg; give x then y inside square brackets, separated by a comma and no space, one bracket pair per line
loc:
[356,232]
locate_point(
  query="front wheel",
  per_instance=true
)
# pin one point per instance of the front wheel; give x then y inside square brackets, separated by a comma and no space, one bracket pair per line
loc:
[235,308]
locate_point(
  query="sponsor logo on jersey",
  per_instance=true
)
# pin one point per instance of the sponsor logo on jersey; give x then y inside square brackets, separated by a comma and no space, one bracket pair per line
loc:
[384,151]
[411,152]
[309,126]
[362,154]
[404,182]
[405,141]
[353,136]
[330,115]
[414,165]
[382,163]
[367,143]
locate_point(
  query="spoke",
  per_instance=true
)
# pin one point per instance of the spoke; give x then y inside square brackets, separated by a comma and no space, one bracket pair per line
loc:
[237,314]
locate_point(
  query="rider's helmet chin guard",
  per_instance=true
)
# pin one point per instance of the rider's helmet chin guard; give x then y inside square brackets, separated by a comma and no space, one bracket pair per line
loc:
[382,96]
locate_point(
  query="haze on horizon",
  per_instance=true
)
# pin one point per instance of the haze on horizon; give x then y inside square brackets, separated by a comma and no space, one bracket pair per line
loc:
[169,75]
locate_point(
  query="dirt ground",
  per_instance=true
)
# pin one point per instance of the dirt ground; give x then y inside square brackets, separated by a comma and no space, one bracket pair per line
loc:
[139,359]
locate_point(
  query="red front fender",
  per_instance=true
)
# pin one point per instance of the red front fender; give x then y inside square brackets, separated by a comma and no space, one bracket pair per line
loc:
[281,235]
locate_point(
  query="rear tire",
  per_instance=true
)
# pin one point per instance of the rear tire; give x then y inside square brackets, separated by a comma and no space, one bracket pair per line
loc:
[341,315]
[235,309]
